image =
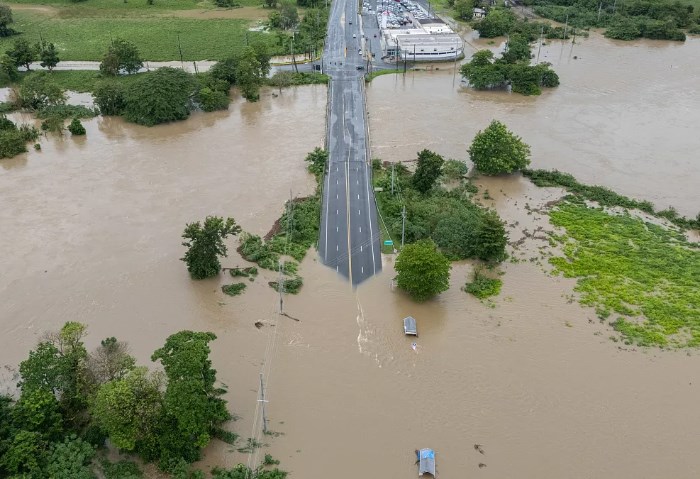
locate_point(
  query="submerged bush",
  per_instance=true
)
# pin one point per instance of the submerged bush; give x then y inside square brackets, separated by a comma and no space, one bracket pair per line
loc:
[482,286]
[76,128]
[234,289]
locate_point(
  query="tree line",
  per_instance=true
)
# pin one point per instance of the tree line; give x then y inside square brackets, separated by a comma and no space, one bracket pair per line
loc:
[71,401]
[628,20]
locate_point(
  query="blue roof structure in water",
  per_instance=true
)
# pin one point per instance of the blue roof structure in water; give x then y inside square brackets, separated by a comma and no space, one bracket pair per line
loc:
[426,458]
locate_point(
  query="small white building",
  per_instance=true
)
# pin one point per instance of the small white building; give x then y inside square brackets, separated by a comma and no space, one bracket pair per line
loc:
[479,13]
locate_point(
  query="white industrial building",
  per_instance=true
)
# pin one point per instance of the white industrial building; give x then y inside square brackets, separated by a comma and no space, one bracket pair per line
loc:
[430,40]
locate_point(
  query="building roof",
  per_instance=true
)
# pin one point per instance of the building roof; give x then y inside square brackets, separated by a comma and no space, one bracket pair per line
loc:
[428,21]
[429,39]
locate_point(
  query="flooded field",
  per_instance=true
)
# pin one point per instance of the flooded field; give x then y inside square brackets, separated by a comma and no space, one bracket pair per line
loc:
[624,116]
[91,232]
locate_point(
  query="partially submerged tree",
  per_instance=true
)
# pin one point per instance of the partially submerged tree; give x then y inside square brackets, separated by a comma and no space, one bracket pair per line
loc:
[422,270]
[193,405]
[160,96]
[496,150]
[428,170]
[109,97]
[205,243]
[39,91]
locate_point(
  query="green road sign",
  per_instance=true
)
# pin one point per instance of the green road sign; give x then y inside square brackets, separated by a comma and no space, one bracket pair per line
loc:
[388,243]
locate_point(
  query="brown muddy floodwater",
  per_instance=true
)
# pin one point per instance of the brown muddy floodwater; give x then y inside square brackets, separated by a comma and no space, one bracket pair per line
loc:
[625,116]
[90,232]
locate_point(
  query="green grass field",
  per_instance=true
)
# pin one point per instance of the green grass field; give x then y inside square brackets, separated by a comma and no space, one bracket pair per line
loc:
[155,37]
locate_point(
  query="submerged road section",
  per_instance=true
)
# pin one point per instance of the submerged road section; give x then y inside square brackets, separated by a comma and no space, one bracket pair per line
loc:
[349,236]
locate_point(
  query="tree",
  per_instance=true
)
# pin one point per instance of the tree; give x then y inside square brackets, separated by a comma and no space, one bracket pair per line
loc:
[457,232]
[38,411]
[22,53]
[7,65]
[270,3]
[518,49]
[58,366]
[109,97]
[205,243]
[5,21]
[422,270]
[110,361]
[192,403]
[497,23]
[464,9]
[289,16]
[25,454]
[212,100]
[496,150]
[48,55]
[121,56]
[317,161]
[225,70]
[492,238]
[248,74]
[38,91]
[129,409]
[76,128]
[70,459]
[428,171]
[160,96]
[282,79]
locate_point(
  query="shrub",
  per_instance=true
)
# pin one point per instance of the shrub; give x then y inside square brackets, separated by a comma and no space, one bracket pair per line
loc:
[109,97]
[496,150]
[482,286]
[121,56]
[76,128]
[291,286]
[233,289]
[212,100]
[39,91]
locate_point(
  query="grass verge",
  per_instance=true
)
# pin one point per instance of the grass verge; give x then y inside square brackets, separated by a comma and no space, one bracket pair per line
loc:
[646,275]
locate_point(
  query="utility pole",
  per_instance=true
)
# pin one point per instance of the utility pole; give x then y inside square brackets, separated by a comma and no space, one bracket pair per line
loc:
[540,47]
[566,25]
[403,225]
[392,179]
[179,47]
[263,401]
[600,7]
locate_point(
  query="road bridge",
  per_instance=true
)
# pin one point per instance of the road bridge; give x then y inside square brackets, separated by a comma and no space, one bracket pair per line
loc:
[349,235]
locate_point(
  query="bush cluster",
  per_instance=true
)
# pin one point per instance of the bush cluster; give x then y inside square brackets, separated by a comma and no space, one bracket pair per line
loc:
[483,286]
[14,139]
[460,228]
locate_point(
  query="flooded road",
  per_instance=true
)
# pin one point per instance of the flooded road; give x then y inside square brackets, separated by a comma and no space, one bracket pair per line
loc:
[91,232]
[624,116]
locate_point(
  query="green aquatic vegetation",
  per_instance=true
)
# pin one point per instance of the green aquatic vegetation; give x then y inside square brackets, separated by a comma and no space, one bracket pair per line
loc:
[233,289]
[482,286]
[644,275]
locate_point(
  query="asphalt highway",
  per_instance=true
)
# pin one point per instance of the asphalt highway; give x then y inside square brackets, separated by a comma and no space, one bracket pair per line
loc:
[349,236]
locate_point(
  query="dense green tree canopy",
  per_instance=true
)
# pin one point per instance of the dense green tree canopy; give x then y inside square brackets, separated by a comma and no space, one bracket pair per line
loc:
[129,409]
[5,21]
[422,270]
[205,243]
[496,150]
[161,96]
[192,403]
